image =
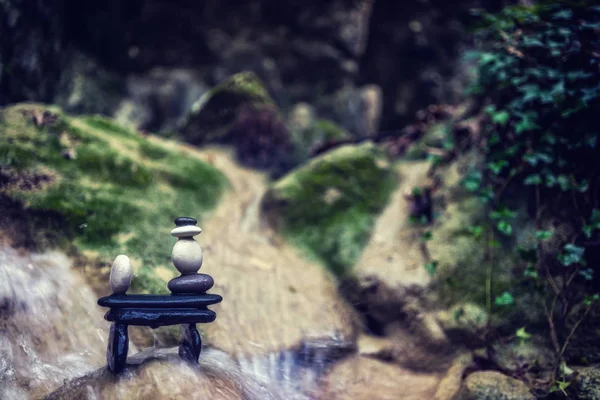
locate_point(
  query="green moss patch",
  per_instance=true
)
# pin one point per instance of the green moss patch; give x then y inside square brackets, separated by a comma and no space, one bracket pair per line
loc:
[328,207]
[108,189]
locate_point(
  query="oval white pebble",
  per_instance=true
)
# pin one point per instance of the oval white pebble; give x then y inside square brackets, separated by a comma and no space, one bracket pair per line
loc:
[187,256]
[186,231]
[120,274]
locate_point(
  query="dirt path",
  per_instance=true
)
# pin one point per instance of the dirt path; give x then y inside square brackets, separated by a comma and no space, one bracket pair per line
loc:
[393,253]
[273,297]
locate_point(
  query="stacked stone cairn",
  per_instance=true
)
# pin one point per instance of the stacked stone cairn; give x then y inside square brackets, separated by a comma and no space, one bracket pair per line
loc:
[187,258]
[187,305]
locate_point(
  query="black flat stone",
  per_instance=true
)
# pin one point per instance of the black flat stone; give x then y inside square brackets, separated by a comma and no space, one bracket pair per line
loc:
[154,318]
[185,221]
[159,301]
[195,283]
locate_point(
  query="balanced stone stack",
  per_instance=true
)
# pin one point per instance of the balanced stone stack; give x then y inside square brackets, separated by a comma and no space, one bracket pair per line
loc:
[187,258]
[186,306]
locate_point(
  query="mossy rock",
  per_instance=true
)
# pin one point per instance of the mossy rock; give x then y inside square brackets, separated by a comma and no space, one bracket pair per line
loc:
[92,184]
[490,385]
[214,114]
[318,132]
[328,206]
[475,265]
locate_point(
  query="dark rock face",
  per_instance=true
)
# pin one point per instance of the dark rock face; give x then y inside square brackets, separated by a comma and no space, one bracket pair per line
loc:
[154,58]
[413,53]
[31,49]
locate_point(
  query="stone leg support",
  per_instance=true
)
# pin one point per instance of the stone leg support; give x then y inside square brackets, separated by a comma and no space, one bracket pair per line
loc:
[118,345]
[190,344]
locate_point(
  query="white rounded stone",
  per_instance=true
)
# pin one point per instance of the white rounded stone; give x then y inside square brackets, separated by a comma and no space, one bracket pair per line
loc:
[120,274]
[187,256]
[186,231]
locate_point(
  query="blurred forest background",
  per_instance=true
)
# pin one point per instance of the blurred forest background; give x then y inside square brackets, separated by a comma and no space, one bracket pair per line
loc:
[400,199]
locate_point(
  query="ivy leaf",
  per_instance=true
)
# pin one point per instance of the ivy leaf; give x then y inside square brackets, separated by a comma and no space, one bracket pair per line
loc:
[503,213]
[528,254]
[564,183]
[472,182]
[589,300]
[476,231]
[496,166]
[500,117]
[543,235]
[504,227]
[571,255]
[583,186]
[431,267]
[426,236]
[559,386]
[534,179]
[527,123]
[531,272]
[587,274]
[505,299]
[593,224]
[522,334]
[563,14]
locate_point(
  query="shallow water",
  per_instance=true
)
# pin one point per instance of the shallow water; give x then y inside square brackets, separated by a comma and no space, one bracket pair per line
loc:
[53,332]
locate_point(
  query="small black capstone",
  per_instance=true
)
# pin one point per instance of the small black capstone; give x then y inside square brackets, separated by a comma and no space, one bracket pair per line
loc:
[184,221]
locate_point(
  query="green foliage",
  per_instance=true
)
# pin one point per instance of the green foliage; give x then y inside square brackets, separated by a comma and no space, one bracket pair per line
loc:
[431,267]
[111,195]
[522,334]
[539,74]
[329,205]
[538,83]
[505,299]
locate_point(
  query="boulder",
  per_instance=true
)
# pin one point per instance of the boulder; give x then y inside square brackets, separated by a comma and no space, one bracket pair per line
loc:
[95,185]
[364,378]
[493,385]
[33,49]
[160,374]
[328,206]
[87,87]
[583,347]
[213,115]
[587,383]
[51,328]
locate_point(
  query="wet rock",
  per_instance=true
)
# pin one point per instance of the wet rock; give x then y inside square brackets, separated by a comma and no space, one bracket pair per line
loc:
[363,378]
[87,87]
[451,382]
[464,322]
[358,109]
[407,348]
[587,384]
[584,346]
[51,329]
[196,283]
[309,133]
[33,46]
[160,100]
[292,47]
[493,385]
[120,275]
[520,355]
[162,374]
